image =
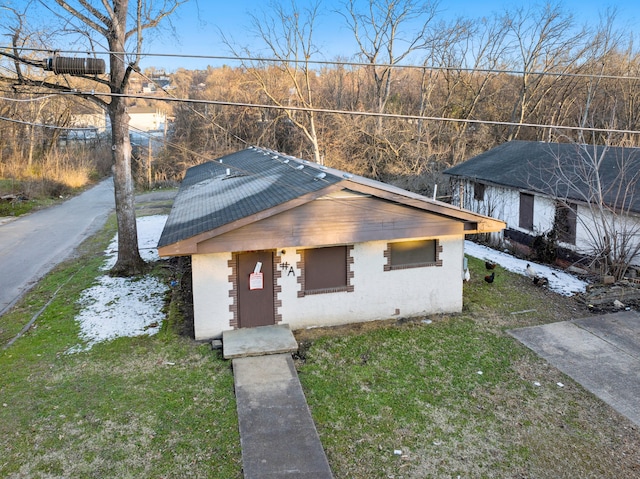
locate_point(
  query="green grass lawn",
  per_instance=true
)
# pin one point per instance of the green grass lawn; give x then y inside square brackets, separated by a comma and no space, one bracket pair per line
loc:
[459,397]
[160,406]
[163,406]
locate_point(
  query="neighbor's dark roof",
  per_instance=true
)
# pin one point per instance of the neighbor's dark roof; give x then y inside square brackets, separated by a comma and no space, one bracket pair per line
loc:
[536,166]
[257,180]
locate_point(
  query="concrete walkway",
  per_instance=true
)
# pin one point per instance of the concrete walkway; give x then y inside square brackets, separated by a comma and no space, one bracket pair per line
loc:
[277,434]
[602,353]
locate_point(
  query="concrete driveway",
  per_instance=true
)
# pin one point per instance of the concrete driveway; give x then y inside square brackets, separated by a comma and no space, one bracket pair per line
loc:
[602,353]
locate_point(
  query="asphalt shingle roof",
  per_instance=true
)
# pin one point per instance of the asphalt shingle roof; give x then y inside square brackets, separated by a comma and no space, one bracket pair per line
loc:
[536,166]
[236,186]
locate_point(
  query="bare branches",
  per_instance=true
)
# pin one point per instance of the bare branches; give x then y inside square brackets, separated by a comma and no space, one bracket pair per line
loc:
[286,31]
[105,23]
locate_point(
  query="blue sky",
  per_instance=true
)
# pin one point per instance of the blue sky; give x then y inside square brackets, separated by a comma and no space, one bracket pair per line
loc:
[197,25]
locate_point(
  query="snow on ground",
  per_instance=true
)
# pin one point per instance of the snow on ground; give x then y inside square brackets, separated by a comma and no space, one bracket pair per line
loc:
[559,281]
[121,307]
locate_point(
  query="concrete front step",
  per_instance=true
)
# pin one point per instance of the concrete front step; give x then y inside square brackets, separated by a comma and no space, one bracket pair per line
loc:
[276,339]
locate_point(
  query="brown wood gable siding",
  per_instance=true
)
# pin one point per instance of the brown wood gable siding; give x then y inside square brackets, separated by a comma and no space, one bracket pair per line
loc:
[335,221]
[474,222]
[189,246]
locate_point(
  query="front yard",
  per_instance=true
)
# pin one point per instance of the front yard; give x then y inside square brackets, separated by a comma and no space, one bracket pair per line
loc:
[443,396]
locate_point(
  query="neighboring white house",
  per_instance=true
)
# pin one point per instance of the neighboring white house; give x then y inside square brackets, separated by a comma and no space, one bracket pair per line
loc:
[87,124]
[274,239]
[146,119]
[582,192]
[95,120]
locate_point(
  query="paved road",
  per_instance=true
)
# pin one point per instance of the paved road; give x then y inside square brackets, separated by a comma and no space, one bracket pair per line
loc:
[600,352]
[32,245]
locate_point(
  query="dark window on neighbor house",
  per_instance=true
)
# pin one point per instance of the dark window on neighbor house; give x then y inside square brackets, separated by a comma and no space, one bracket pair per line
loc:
[412,254]
[526,211]
[565,222]
[325,270]
[478,191]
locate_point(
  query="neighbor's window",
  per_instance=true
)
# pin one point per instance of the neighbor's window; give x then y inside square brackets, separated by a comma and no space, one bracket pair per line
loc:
[478,191]
[325,270]
[526,211]
[565,222]
[412,254]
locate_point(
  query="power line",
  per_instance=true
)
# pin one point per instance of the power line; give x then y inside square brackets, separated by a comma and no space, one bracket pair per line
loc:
[174,99]
[42,125]
[355,113]
[18,100]
[340,63]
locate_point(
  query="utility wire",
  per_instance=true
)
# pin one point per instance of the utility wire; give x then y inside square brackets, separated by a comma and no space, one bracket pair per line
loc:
[352,112]
[324,110]
[340,63]
[42,125]
[18,100]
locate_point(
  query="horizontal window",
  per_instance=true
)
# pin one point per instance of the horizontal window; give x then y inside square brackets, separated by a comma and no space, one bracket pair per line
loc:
[413,254]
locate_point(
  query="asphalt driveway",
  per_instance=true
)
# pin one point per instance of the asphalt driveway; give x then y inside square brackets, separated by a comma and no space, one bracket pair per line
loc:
[32,245]
[602,353]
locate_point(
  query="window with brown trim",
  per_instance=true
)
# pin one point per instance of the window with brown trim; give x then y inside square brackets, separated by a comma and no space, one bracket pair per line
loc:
[325,270]
[413,254]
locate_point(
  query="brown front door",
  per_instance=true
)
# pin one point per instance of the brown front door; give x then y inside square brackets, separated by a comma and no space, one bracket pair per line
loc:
[255,299]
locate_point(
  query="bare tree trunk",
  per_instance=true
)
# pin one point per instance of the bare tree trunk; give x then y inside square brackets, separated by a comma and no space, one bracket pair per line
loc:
[129,261]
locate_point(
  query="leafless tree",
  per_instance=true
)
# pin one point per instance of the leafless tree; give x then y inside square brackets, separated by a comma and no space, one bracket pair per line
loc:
[545,42]
[602,180]
[286,32]
[113,26]
[382,30]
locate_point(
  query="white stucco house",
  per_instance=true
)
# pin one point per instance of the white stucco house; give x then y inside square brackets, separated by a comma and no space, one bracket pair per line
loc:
[277,240]
[580,192]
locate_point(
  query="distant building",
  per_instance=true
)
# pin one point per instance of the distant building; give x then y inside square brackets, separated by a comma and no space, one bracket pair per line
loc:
[146,119]
[86,117]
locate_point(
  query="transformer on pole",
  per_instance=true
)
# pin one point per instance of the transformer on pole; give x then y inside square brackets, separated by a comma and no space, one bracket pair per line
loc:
[75,66]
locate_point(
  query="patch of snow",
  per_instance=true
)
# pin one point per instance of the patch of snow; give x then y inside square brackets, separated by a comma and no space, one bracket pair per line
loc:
[559,281]
[124,307]
[149,231]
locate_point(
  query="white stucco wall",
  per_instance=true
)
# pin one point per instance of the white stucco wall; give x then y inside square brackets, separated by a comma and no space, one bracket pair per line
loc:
[211,300]
[504,204]
[377,294]
[588,229]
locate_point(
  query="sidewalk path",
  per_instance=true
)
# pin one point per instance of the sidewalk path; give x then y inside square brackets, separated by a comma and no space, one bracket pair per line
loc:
[277,434]
[32,245]
[602,353]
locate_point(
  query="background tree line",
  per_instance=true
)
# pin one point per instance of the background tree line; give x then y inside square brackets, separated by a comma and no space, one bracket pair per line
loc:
[522,67]
[491,77]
